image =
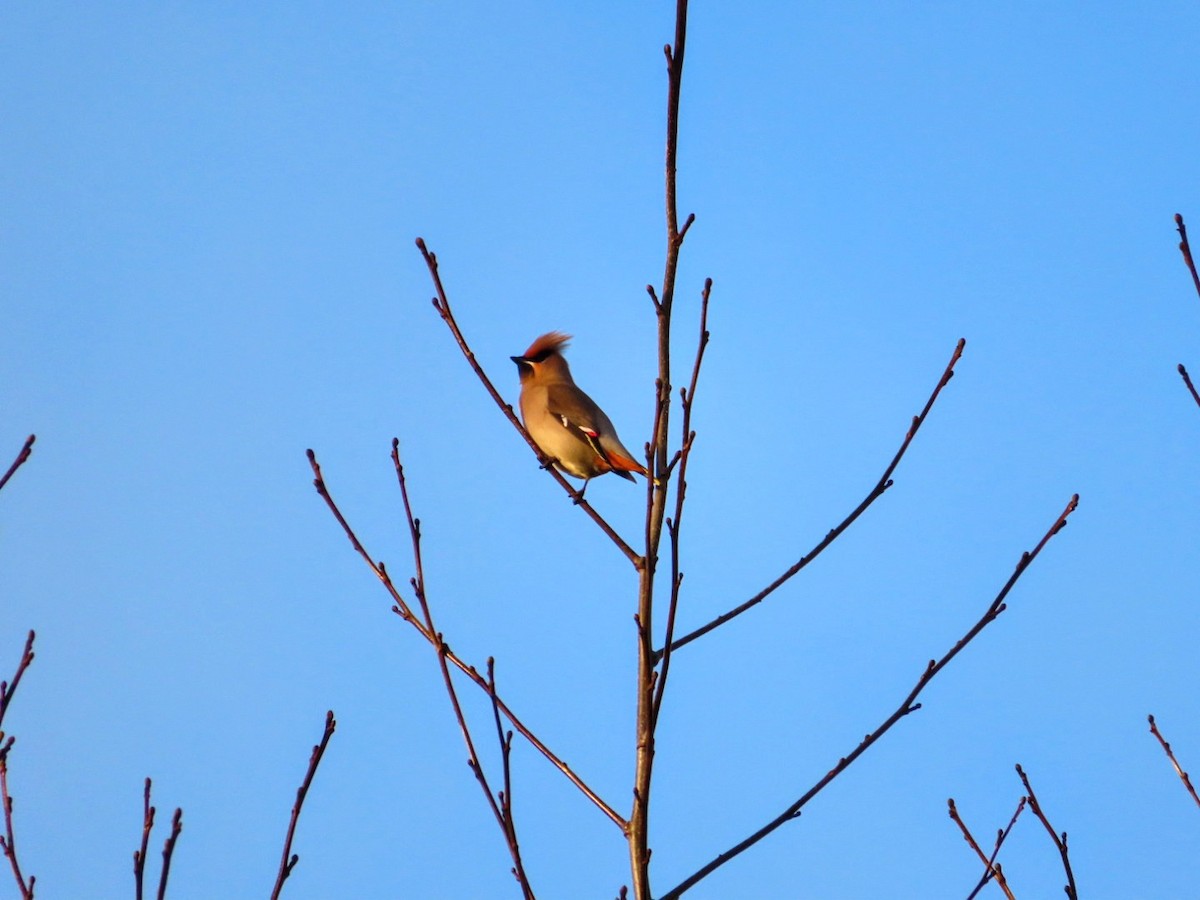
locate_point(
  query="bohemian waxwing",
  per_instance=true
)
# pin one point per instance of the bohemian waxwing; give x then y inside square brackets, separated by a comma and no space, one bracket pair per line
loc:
[564,421]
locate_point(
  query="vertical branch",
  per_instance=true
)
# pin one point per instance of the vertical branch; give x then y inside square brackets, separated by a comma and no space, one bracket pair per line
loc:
[289,860]
[508,823]
[1186,249]
[139,856]
[1060,841]
[1001,835]
[1183,776]
[20,460]
[169,851]
[639,819]
[8,841]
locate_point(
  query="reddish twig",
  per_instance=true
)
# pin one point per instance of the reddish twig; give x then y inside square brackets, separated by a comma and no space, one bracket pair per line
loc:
[1060,841]
[876,492]
[8,841]
[1183,776]
[7,689]
[1001,836]
[687,399]
[907,706]
[169,851]
[139,856]
[20,460]
[442,304]
[991,867]
[1186,250]
[289,859]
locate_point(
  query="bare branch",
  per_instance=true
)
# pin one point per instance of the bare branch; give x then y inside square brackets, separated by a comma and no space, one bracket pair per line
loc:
[507,822]
[442,304]
[1183,776]
[688,397]
[1186,250]
[1188,381]
[991,869]
[8,843]
[7,689]
[1060,842]
[289,859]
[402,609]
[19,461]
[169,851]
[907,706]
[1000,838]
[139,856]
[875,493]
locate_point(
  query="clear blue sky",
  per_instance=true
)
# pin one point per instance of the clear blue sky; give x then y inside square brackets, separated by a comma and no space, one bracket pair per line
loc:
[207,214]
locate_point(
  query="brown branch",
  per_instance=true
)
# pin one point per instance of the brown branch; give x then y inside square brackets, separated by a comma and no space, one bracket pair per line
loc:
[19,461]
[1188,381]
[7,689]
[876,492]
[1183,776]
[907,706]
[289,859]
[507,822]
[442,304]
[687,398]
[1186,250]
[401,608]
[1060,842]
[139,856]
[8,841]
[1001,836]
[169,851]
[473,761]
[990,866]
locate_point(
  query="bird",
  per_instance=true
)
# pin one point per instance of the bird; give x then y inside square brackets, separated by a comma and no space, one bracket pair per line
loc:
[566,424]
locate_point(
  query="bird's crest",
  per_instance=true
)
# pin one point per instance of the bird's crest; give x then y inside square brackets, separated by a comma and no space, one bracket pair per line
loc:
[551,342]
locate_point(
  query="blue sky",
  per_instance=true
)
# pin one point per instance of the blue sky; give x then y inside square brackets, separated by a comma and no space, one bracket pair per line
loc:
[207,215]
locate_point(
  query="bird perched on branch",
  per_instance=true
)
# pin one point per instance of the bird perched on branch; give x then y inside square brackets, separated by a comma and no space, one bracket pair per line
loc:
[563,421]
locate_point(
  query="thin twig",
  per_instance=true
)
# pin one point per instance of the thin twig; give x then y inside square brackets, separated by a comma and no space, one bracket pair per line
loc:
[8,842]
[1060,842]
[687,399]
[907,706]
[508,823]
[20,460]
[1183,776]
[7,689]
[875,493]
[1186,250]
[139,856]
[473,760]
[1188,381]
[442,304]
[169,851]
[402,609]
[990,867]
[289,859]
[1001,836]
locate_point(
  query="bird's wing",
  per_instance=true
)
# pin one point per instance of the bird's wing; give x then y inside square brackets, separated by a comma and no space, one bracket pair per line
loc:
[580,416]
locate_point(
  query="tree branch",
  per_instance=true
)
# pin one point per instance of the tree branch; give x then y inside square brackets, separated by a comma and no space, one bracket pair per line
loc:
[8,841]
[875,493]
[1059,842]
[1183,776]
[1188,381]
[907,706]
[442,304]
[289,859]
[402,609]
[1186,250]
[991,869]
[169,851]
[19,461]
[139,856]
